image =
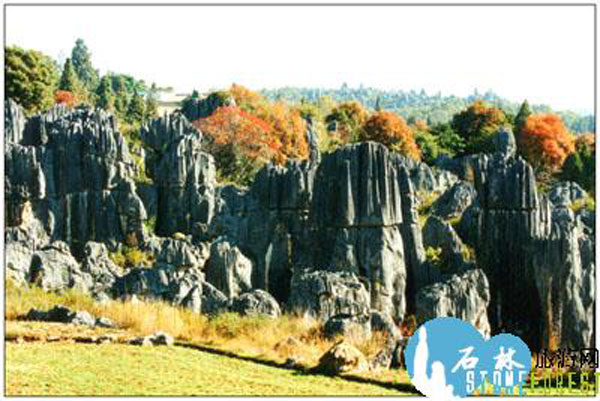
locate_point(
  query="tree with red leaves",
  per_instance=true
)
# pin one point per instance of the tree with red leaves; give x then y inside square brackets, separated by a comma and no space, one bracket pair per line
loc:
[64,97]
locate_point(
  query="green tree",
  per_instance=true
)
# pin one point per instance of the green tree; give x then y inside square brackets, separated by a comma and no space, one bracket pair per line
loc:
[477,125]
[68,79]
[121,96]
[30,78]
[152,102]
[580,166]
[81,59]
[348,119]
[105,97]
[449,141]
[137,109]
[520,120]
[428,144]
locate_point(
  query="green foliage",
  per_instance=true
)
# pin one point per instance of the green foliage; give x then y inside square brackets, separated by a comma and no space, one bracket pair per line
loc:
[428,143]
[521,118]
[477,125]
[150,224]
[348,119]
[427,199]
[434,255]
[468,253]
[68,80]
[128,257]
[82,65]
[418,105]
[588,203]
[580,167]
[131,135]
[152,103]
[449,142]
[105,97]
[30,79]
[136,111]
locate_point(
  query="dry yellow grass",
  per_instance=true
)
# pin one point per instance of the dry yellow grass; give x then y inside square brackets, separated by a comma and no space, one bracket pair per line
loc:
[275,340]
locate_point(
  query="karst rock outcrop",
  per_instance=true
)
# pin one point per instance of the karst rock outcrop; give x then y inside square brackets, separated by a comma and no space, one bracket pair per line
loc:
[335,237]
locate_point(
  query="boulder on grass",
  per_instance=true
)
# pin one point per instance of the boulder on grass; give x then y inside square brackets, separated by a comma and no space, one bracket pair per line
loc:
[343,358]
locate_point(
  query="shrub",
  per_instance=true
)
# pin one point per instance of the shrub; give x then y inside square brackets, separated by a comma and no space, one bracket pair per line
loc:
[587,203]
[433,255]
[128,257]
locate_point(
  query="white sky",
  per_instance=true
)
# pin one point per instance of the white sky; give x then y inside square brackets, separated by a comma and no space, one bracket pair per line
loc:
[544,54]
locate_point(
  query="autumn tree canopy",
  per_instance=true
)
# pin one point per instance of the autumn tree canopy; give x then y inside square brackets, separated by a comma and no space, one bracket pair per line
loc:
[64,97]
[477,125]
[348,119]
[252,133]
[545,142]
[391,130]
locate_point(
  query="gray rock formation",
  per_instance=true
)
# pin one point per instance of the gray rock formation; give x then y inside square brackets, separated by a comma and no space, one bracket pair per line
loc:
[256,303]
[181,286]
[214,301]
[54,268]
[179,253]
[62,314]
[228,269]
[98,264]
[184,175]
[440,234]
[348,326]
[381,322]
[343,358]
[73,170]
[564,193]
[531,253]
[322,294]
[455,201]
[464,296]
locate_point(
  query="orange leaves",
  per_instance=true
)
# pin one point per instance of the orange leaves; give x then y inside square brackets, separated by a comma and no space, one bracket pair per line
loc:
[545,141]
[233,126]
[393,131]
[283,126]
[64,97]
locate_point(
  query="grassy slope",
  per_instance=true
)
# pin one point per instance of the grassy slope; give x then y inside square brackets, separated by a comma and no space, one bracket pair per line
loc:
[111,370]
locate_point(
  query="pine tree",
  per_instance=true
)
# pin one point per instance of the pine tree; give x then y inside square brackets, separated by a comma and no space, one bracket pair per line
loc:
[520,120]
[378,104]
[106,98]
[68,79]
[137,109]
[152,103]
[82,64]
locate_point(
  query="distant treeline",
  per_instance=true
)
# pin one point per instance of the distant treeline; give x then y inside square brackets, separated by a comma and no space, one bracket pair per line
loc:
[418,105]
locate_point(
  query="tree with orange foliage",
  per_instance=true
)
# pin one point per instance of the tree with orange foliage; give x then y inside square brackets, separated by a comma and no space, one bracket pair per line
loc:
[545,141]
[64,97]
[288,126]
[240,142]
[391,130]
